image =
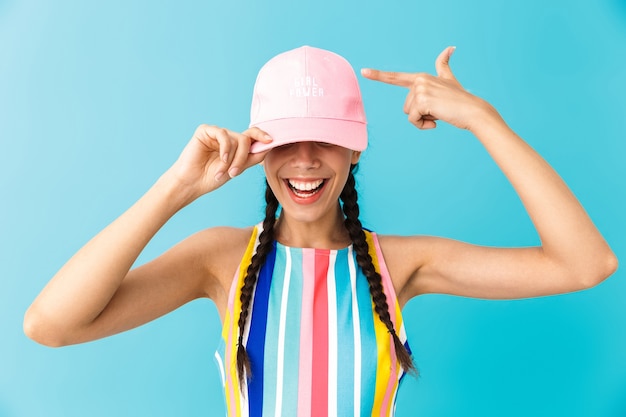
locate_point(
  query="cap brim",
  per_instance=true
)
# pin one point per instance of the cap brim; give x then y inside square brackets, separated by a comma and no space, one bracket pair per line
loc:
[346,133]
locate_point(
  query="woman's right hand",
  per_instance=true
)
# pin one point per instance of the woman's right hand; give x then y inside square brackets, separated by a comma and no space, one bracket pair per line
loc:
[214,155]
[95,294]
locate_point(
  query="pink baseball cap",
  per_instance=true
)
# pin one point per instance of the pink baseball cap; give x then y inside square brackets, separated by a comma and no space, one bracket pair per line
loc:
[308,94]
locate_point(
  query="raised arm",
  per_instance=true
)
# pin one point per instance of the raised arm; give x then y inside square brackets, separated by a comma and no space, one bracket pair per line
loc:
[573,254]
[95,294]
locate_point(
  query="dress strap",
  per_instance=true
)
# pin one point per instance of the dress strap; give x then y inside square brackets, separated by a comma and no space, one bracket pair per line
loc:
[390,293]
[230,332]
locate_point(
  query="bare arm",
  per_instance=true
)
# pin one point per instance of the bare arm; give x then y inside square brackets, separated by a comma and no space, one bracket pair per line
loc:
[95,294]
[573,254]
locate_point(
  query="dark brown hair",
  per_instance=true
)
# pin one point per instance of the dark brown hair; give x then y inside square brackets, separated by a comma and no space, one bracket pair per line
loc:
[357,235]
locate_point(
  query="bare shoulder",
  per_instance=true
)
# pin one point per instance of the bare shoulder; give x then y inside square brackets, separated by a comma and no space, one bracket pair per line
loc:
[220,252]
[404,256]
[224,237]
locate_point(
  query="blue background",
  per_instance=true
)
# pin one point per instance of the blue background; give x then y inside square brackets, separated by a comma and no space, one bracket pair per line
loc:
[98,99]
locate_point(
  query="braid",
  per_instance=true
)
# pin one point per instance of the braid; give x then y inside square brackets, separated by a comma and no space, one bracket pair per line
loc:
[265,245]
[363,258]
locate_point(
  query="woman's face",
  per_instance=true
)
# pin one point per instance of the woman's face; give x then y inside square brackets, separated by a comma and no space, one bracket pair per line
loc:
[308,177]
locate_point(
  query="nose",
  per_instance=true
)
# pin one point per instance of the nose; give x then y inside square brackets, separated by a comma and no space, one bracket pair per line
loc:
[304,155]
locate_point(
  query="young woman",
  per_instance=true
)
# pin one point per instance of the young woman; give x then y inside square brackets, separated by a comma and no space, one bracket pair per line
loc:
[310,301]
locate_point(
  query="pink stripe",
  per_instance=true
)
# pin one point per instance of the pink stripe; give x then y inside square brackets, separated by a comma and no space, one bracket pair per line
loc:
[319,401]
[390,294]
[393,379]
[306,335]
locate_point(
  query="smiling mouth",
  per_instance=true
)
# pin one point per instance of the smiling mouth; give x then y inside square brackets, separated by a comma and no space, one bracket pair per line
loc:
[305,189]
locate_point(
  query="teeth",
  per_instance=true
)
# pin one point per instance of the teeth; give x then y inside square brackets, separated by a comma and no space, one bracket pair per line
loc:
[305,186]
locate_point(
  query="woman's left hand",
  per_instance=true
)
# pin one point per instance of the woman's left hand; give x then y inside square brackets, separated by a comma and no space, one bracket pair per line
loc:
[573,254]
[433,98]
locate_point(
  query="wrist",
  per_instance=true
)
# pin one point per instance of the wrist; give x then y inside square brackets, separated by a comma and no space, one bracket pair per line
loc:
[485,118]
[177,192]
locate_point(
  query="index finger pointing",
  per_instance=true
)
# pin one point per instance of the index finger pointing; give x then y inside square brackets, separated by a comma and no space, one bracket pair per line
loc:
[402,79]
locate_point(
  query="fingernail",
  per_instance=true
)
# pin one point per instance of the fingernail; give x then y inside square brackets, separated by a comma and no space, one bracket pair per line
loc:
[452,49]
[365,71]
[233,172]
[268,137]
[218,176]
[225,157]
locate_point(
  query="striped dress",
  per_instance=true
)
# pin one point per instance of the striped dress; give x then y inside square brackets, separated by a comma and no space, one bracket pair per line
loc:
[316,346]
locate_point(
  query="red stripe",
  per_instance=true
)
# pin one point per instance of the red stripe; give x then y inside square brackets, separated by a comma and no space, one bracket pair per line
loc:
[319,400]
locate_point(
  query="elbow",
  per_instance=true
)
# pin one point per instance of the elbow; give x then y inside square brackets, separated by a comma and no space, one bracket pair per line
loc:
[604,266]
[611,266]
[36,329]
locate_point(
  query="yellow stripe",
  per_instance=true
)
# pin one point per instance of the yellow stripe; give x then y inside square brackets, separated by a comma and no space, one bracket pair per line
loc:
[231,326]
[398,326]
[383,371]
[227,367]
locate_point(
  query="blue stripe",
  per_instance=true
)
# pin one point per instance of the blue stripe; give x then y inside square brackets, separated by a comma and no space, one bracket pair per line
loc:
[256,337]
[271,333]
[345,348]
[369,349]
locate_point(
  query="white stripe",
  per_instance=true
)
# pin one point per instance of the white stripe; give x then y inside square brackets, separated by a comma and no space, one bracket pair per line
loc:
[280,362]
[245,412]
[220,364]
[357,336]
[402,336]
[332,335]
[247,324]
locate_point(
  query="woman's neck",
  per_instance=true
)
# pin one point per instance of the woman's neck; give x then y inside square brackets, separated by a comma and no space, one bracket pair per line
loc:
[328,232]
